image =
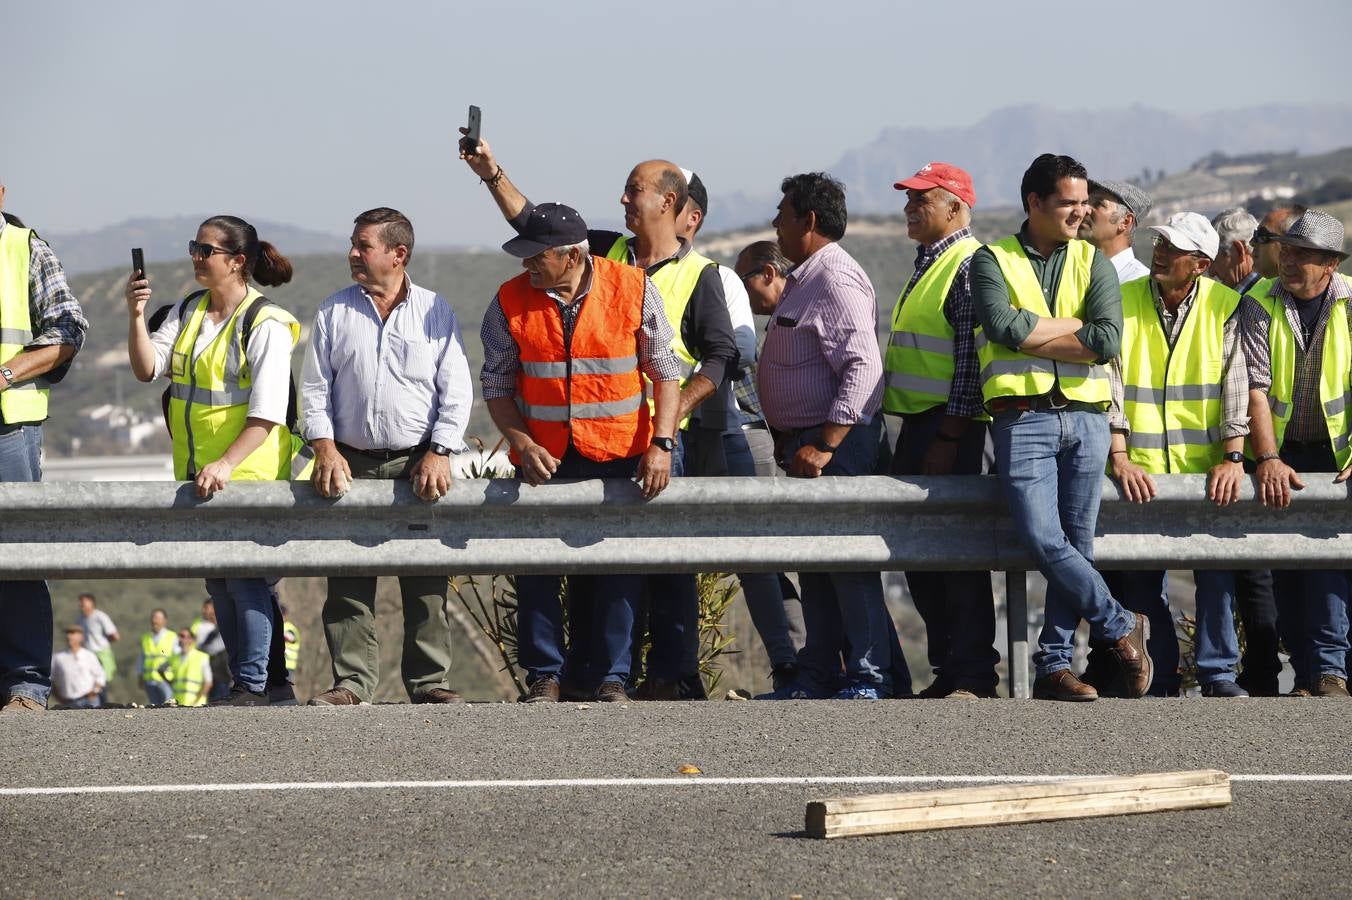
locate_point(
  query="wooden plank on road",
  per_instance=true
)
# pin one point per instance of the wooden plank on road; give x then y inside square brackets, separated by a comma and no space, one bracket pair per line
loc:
[1009,804]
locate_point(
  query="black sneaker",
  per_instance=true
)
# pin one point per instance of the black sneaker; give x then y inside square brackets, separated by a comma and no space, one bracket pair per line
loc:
[241,696]
[281,694]
[783,675]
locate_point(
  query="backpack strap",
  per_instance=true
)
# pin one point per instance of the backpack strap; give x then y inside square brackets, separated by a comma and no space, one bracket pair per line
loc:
[247,326]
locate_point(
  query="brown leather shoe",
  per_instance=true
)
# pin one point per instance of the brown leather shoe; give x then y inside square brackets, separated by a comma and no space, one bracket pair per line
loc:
[542,690]
[20,703]
[438,695]
[1137,668]
[611,692]
[1330,686]
[1063,685]
[338,696]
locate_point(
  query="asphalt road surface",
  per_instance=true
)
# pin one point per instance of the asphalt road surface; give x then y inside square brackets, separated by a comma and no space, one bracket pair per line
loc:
[589,800]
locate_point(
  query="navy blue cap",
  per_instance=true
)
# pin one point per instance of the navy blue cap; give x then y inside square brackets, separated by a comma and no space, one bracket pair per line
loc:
[549,225]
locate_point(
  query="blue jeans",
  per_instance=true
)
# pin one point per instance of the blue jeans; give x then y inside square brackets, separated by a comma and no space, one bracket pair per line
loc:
[1051,467]
[958,607]
[844,614]
[159,693]
[600,607]
[25,606]
[1216,644]
[245,615]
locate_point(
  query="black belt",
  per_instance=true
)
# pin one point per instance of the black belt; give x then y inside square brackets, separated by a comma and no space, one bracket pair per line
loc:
[383,455]
[1042,402]
[758,424]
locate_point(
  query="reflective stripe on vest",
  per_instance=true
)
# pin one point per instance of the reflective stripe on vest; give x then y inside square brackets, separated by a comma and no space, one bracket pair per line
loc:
[1172,396]
[209,396]
[27,400]
[918,368]
[1011,373]
[292,654]
[589,392]
[1335,379]
[186,672]
[155,653]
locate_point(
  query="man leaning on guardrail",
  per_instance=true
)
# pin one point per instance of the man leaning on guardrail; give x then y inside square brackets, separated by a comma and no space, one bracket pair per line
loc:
[41,330]
[1297,331]
[387,395]
[1180,404]
[1050,315]
[566,344]
[820,383]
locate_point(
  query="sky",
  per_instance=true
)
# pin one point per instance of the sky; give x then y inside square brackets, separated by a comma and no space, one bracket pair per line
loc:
[310,112]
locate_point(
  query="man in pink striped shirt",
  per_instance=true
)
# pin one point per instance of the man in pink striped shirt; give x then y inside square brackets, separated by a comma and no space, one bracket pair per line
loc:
[820,382]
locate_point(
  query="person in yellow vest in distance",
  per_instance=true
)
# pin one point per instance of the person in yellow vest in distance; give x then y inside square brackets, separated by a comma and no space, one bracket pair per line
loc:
[1180,400]
[41,330]
[1049,315]
[189,672]
[655,194]
[157,645]
[567,344]
[227,353]
[291,635]
[1297,332]
[931,382]
[208,634]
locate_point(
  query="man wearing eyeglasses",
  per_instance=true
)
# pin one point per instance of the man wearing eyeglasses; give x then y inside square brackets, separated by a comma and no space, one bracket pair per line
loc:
[1273,226]
[1180,396]
[41,329]
[1297,333]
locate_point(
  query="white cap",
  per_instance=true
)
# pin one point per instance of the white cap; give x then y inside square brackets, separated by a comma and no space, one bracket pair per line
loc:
[1190,231]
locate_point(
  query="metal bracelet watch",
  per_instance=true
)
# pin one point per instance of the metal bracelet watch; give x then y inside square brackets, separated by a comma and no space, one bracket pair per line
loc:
[439,449]
[1234,456]
[8,375]
[665,443]
[1265,457]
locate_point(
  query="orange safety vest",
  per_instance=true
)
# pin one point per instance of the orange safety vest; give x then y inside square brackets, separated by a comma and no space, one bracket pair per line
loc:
[591,390]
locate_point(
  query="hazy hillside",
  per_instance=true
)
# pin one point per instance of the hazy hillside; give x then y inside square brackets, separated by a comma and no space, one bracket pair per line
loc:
[1112,143]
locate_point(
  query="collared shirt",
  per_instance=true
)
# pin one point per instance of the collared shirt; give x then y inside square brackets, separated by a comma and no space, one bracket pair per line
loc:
[53,310]
[387,385]
[1243,287]
[98,628]
[1234,375]
[821,362]
[502,356]
[76,675]
[1010,327]
[1307,416]
[1127,266]
[964,396]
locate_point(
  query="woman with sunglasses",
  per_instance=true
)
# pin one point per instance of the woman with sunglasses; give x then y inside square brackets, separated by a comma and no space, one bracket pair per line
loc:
[227,352]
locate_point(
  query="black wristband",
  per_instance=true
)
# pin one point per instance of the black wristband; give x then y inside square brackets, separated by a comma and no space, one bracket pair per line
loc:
[821,445]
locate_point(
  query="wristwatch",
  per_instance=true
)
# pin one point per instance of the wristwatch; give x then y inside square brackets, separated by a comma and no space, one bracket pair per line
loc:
[7,375]
[1234,456]
[439,449]
[665,443]
[820,444]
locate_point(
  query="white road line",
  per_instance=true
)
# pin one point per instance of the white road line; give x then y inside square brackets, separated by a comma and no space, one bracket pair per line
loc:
[507,783]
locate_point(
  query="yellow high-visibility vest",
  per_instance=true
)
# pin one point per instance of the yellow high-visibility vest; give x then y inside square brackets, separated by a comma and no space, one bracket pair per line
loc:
[26,401]
[185,671]
[1012,373]
[155,652]
[918,369]
[1172,395]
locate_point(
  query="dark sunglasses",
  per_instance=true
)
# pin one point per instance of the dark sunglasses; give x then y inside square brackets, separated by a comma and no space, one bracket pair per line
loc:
[1263,236]
[199,250]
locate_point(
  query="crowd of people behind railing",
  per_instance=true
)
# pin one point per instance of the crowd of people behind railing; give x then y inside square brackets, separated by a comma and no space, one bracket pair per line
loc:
[1047,357]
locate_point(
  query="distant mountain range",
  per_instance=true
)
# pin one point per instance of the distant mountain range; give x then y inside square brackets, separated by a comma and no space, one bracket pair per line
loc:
[1112,143]
[166,239]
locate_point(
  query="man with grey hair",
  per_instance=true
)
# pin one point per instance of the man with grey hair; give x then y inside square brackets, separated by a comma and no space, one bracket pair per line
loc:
[931,383]
[1233,265]
[1115,209]
[1298,342]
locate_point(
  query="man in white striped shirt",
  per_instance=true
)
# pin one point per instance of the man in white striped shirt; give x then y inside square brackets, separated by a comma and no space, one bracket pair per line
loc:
[387,394]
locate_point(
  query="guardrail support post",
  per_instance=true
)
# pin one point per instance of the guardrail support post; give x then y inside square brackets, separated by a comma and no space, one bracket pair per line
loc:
[1016,623]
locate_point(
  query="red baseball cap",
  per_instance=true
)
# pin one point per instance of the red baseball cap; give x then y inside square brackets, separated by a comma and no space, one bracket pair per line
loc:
[941,175]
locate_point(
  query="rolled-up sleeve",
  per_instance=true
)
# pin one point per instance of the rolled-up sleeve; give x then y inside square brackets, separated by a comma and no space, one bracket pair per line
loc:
[56,316]
[850,344]
[656,359]
[1254,322]
[999,319]
[502,358]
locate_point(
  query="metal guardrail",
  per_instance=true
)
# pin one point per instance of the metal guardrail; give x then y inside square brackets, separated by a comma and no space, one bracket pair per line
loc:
[161,529]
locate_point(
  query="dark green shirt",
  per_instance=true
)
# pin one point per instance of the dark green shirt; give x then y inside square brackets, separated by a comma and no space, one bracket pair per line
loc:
[1010,327]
